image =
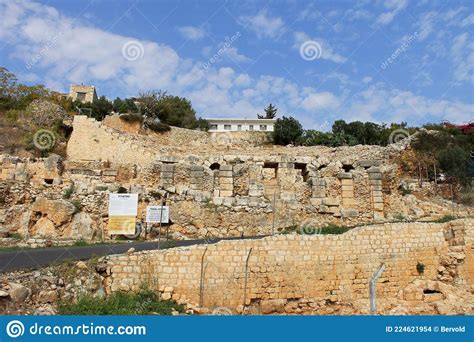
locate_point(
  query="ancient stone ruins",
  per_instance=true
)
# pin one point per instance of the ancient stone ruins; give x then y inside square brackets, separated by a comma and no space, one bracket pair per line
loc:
[237,185]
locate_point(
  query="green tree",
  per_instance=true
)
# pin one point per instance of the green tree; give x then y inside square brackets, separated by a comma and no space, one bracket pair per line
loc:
[287,130]
[100,108]
[124,106]
[270,112]
[455,163]
[171,110]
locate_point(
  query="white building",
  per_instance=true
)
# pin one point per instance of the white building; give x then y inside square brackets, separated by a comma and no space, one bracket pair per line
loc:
[236,125]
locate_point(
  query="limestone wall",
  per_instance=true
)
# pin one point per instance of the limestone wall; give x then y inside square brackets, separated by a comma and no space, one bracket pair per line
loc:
[317,274]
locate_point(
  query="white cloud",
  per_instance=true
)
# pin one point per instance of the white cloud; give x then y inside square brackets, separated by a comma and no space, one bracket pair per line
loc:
[92,56]
[320,101]
[192,32]
[393,7]
[263,25]
[326,50]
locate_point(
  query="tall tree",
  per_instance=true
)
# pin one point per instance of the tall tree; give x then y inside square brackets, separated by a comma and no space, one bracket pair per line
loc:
[287,130]
[270,112]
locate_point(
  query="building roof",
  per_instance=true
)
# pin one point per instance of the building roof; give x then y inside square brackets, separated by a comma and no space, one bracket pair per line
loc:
[240,120]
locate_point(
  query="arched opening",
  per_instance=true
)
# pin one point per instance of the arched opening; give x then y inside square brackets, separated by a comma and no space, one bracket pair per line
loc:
[214,166]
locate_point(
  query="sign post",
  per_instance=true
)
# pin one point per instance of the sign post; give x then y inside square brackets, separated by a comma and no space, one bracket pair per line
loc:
[123,210]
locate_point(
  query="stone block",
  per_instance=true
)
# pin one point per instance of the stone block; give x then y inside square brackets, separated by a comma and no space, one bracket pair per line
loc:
[316,201]
[168,175]
[167,167]
[330,201]
[197,174]
[196,168]
[377,176]
[368,163]
[226,181]
[378,206]
[225,168]
[226,186]
[227,174]
[344,175]
[349,213]
[348,202]
[226,193]
[345,182]
[347,194]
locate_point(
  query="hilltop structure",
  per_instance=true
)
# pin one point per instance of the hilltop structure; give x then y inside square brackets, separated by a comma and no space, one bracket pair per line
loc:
[83,93]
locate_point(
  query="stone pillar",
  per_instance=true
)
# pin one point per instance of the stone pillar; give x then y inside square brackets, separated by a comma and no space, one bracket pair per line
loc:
[286,179]
[226,181]
[318,185]
[167,175]
[347,185]
[197,174]
[375,177]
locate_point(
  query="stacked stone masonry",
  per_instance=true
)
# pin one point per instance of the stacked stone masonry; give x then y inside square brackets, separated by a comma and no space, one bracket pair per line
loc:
[330,269]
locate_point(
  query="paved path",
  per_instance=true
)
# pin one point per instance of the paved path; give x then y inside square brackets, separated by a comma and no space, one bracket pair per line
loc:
[31,258]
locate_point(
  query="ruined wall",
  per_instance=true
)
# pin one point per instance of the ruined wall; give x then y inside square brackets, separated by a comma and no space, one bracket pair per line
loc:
[319,274]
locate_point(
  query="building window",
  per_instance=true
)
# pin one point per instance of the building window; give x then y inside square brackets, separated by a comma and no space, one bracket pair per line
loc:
[263,127]
[250,127]
[227,127]
[81,96]
[213,127]
[239,127]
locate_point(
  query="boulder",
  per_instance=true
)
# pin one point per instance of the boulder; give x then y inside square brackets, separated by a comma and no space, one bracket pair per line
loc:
[272,306]
[18,293]
[58,211]
[48,296]
[82,226]
[44,228]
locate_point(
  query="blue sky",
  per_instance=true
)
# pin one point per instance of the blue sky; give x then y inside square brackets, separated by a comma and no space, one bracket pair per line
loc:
[381,61]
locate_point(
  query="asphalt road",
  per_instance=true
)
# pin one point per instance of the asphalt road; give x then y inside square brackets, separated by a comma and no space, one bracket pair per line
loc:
[32,258]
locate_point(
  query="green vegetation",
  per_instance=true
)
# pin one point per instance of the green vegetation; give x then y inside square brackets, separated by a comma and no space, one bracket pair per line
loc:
[287,130]
[145,302]
[325,230]
[16,236]
[420,268]
[168,109]
[446,218]
[77,205]
[132,117]
[158,127]
[68,191]
[270,112]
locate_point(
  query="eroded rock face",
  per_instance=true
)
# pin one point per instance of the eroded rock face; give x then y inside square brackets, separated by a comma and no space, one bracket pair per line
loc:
[57,211]
[44,228]
[82,226]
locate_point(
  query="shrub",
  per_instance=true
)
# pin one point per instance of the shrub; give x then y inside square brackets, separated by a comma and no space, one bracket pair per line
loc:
[132,118]
[13,114]
[68,192]
[16,236]
[445,218]
[145,302]
[420,268]
[122,190]
[158,127]
[77,205]
[287,130]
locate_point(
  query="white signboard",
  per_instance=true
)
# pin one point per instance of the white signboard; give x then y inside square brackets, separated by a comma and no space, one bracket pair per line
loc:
[123,204]
[155,212]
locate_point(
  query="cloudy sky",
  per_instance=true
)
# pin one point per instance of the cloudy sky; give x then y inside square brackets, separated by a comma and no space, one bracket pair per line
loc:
[383,61]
